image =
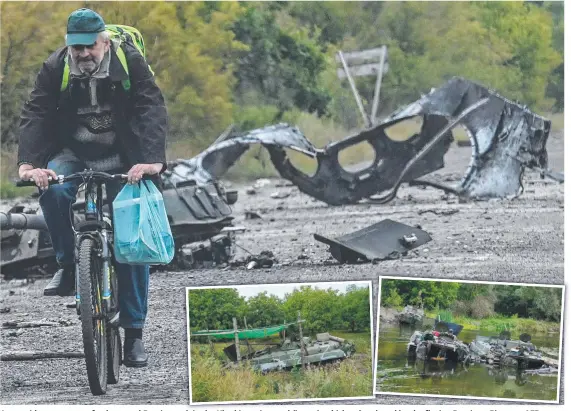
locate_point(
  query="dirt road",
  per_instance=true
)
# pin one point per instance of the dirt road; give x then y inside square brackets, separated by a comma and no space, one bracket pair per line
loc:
[519,240]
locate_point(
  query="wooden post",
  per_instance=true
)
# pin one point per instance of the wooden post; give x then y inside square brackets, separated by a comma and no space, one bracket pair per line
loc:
[247,342]
[378,85]
[303,349]
[236,339]
[354,89]
[211,345]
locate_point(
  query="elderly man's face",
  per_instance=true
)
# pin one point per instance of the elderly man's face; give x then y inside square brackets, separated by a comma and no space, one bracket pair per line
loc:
[88,58]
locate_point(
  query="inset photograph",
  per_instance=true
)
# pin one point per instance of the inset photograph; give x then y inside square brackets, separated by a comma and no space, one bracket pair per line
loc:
[280,342]
[469,339]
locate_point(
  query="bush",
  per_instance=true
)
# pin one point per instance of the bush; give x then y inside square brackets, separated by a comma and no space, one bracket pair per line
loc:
[461,308]
[481,307]
[393,300]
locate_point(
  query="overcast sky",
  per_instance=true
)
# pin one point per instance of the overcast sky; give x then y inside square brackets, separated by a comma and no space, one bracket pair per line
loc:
[280,290]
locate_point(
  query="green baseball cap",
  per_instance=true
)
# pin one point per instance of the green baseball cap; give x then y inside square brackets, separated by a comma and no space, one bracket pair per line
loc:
[83,27]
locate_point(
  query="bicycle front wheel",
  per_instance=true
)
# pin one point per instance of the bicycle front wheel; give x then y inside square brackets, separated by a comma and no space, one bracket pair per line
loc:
[113,336]
[93,322]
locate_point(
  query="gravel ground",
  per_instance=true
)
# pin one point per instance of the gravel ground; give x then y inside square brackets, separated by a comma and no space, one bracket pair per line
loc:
[518,240]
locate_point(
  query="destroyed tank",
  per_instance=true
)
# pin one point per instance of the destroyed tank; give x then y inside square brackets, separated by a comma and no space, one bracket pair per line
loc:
[503,352]
[24,242]
[411,315]
[325,348]
[198,211]
[440,344]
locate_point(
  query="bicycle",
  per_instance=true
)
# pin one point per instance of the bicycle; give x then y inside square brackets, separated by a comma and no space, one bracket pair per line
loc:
[96,283]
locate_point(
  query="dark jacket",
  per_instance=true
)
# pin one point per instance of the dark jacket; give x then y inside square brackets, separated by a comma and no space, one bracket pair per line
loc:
[49,117]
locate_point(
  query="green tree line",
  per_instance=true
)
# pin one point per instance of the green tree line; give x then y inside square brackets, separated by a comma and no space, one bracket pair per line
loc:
[475,300]
[322,310]
[253,63]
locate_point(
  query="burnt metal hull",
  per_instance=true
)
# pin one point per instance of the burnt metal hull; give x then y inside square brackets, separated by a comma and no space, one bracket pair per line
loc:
[506,353]
[430,350]
[505,137]
[411,315]
[325,349]
[429,346]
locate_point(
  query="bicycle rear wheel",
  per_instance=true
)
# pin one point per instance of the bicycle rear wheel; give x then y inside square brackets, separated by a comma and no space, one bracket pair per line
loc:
[93,321]
[114,350]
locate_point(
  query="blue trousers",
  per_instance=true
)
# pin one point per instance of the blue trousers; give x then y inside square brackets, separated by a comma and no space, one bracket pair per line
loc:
[56,204]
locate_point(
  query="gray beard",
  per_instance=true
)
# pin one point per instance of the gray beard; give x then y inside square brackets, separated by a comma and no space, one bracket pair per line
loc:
[87,67]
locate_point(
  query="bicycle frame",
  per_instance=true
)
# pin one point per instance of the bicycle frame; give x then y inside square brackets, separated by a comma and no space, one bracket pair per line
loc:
[94,218]
[94,225]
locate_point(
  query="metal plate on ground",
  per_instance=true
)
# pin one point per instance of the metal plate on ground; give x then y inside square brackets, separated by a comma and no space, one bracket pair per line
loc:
[380,241]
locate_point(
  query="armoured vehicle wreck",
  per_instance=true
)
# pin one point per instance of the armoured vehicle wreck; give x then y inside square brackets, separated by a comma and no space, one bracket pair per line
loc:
[505,137]
[325,348]
[411,315]
[503,352]
[499,351]
[286,354]
[198,211]
[439,346]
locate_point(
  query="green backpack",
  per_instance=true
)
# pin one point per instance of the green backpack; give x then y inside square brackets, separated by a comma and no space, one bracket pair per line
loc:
[118,34]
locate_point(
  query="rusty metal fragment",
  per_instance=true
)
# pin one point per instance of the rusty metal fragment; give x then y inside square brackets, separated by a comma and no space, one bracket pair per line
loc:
[386,239]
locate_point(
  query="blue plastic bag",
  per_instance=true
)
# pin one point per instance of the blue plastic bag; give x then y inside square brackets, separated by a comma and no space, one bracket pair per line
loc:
[142,230]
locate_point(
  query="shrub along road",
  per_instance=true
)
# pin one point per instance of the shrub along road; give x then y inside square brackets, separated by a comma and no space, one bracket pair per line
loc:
[519,240]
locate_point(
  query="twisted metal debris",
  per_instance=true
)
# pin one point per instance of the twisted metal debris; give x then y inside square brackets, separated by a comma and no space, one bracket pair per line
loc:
[505,137]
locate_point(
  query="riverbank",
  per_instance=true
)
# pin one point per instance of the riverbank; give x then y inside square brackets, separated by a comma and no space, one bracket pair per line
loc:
[499,323]
[389,315]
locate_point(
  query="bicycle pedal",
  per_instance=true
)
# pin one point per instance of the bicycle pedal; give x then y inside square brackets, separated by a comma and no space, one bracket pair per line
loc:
[114,322]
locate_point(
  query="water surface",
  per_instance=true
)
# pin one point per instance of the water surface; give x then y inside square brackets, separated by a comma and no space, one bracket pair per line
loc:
[397,372]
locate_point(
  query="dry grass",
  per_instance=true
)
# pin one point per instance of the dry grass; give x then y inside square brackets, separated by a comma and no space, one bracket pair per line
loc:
[352,377]
[210,382]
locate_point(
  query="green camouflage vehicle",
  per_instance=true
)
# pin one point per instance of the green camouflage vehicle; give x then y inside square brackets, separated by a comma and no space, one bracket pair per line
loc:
[326,348]
[287,354]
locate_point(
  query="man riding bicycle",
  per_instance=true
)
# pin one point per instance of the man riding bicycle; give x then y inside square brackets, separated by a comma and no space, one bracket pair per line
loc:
[93,123]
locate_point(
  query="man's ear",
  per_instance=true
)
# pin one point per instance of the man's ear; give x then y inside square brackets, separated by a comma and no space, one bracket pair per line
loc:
[107,45]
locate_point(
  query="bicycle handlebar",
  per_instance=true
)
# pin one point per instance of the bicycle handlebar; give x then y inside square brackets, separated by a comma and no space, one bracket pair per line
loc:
[82,175]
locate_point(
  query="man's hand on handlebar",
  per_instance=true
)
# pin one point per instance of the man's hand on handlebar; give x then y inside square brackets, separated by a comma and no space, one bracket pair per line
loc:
[37,175]
[138,170]
[43,176]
